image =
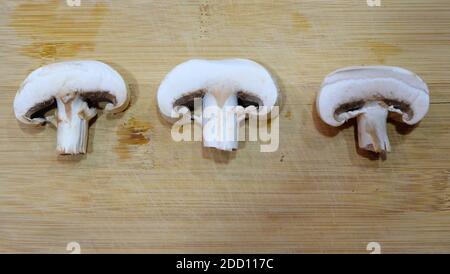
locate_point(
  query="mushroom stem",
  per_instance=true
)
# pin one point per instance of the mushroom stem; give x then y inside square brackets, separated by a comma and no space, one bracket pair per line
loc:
[372,127]
[72,120]
[220,124]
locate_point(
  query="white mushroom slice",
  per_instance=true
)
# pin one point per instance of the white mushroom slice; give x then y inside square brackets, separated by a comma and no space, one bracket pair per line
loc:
[225,88]
[74,88]
[369,93]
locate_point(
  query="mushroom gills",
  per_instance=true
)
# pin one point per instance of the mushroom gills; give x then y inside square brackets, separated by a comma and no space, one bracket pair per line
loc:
[72,122]
[98,99]
[40,112]
[244,99]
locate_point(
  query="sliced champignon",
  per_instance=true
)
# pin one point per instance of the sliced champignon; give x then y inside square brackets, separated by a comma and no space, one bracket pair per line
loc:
[225,88]
[370,93]
[75,88]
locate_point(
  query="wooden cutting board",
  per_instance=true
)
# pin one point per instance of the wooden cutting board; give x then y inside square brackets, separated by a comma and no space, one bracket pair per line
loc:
[136,190]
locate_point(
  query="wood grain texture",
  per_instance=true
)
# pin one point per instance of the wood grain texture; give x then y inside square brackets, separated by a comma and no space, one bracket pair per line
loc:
[317,193]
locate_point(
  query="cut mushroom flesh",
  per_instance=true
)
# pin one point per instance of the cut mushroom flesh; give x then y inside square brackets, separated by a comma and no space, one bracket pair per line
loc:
[370,94]
[224,100]
[75,89]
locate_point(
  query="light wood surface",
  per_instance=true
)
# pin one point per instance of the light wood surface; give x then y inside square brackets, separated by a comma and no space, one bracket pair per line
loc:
[138,191]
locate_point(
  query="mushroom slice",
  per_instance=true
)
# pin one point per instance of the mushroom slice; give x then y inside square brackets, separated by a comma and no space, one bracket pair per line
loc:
[370,93]
[75,89]
[226,88]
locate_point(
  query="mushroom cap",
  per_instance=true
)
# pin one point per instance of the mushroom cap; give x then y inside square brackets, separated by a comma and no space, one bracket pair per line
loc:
[241,76]
[90,79]
[353,85]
